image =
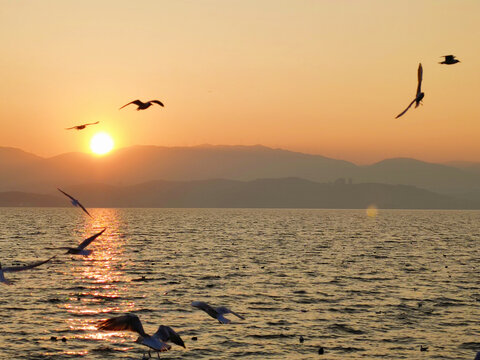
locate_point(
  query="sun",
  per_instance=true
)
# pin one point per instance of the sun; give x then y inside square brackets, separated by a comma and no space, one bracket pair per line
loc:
[101,143]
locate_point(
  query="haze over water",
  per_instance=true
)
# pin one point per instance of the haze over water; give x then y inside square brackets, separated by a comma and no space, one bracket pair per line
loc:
[360,286]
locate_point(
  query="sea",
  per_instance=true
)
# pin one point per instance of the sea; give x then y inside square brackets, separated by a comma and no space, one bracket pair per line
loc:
[357,284]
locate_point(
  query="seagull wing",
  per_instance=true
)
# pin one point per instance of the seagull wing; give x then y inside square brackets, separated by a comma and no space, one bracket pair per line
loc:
[95,123]
[70,128]
[87,242]
[225,310]
[420,77]
[129,322]
[205,307]
[157,102]
[136,102]
[26,267]
[83,208]
[69,196]
[449,57]
[166,333]
[404,111]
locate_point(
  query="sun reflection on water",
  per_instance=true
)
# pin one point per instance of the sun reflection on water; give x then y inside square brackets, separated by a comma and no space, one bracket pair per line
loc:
[100,283]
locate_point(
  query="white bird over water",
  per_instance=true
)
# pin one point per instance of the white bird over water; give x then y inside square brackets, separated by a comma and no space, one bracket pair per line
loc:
[131,322]
[75,202]
[19,268]
[419,95]
[216,313]
[80,249]
[141,105]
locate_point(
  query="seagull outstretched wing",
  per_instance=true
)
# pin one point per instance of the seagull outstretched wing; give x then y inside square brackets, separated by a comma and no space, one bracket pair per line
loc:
[420,77]
[75,202]
[157,102]
[166,333]
[404,111]
[136,102]
[224,310]
[25,267]
[129,322]
[87,242]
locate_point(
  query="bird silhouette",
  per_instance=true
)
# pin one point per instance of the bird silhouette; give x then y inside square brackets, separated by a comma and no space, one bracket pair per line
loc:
[216,313]
[419,95]
[75,202]
[80,249]
[131,322]
[141,105]
[19,268]
[449,60]
[81,127]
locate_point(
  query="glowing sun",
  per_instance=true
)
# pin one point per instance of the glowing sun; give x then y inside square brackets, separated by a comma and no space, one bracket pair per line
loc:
[101,143]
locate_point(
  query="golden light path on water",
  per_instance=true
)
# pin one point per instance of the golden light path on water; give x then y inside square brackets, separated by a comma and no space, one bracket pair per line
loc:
[100,280]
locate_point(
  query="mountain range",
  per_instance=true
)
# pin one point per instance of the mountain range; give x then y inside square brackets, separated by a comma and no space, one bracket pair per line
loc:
[245,166]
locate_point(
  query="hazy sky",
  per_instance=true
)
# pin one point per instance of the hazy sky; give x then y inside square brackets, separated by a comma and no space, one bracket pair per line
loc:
[324,77]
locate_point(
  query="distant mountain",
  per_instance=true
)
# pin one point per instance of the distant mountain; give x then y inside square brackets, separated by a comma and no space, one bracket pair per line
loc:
[21,199]
[21,171]
[263,193]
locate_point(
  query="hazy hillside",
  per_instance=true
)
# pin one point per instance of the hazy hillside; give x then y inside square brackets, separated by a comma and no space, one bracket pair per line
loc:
[26,172]
[264,193]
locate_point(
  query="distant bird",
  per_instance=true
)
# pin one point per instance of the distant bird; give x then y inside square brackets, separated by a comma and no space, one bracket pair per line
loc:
[131,322]
[419,95]
[80,249]
[19,268]
[141,105]
[449,60]
[81,127]
[423,348]
[216,313]
[75,202]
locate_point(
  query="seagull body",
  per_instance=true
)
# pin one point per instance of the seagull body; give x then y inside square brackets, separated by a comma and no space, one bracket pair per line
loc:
[419,95]
[141,105]
[216,313]
[80,249]
[81,127]
[131,322]
[19,268]
[449,60]
[75,202]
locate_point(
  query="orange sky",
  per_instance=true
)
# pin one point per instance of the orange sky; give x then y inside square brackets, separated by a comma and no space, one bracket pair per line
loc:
[324,77]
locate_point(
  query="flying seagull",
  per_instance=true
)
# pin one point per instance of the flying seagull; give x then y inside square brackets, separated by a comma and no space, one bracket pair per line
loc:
[157,341]
[80,249]
[81,127]
[449,60]
[19,268]
[216,313]
[419,95]
[141,105]
[75,202]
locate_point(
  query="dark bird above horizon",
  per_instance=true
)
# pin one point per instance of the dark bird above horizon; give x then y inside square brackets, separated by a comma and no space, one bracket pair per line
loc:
[141,105]
[216,313]
[81,127]
[419,95]
[19,268]
[80,249]
[75,202]
[131,322]
[449,60]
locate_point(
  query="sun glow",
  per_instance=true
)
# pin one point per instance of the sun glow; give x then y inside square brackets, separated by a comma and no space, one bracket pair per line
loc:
[101,143]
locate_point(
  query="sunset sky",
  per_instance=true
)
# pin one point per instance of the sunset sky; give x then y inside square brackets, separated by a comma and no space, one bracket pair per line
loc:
[317,76]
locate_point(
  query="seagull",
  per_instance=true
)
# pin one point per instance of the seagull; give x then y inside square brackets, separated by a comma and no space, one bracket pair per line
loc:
[141,105]
[157,341]
[75,202]
[81,127]
[19,268]
[80,249]
[216,313]
[419,96]
[449,60]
